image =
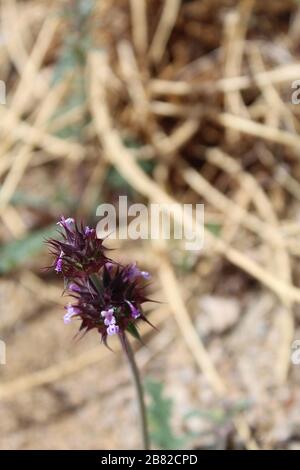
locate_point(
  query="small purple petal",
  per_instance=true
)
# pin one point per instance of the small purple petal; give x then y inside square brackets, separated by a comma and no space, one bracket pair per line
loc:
[109,266]
[71,311]
[135,313]
[58,265]
[108,316]
[105,313]
[110,321]
[74,288]
[113,330]
[65,223]
[145,275]
[67,319]
[89,231]
[134,272]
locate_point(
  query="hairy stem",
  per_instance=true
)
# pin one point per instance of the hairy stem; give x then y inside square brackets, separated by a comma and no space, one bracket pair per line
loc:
[139,389]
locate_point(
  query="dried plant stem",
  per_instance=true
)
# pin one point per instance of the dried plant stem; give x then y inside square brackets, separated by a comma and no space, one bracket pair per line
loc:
[139,390]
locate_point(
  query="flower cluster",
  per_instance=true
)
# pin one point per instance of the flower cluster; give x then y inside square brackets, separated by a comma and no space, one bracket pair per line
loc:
[106,295]
[79,253]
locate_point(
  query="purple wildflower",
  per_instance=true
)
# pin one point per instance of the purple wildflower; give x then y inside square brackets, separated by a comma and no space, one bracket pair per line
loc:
[112,305]
[79,252]
[107,296]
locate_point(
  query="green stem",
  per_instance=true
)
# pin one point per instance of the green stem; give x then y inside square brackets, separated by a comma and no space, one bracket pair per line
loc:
[139,389]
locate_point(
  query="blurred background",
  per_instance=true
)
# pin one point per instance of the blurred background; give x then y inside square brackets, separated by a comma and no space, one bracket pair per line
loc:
[160,100]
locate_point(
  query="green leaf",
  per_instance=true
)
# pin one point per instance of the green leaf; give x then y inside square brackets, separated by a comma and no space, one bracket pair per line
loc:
[17,252]
[21,198]
[219,416]
[215,229]
[160,412]
[116,181]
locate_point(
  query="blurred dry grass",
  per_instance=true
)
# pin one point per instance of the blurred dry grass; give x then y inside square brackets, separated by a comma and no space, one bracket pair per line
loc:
[186,101]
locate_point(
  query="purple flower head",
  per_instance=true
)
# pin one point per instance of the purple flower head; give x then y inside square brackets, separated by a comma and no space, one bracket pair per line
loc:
[78,252]
[106,296]
[111,303]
